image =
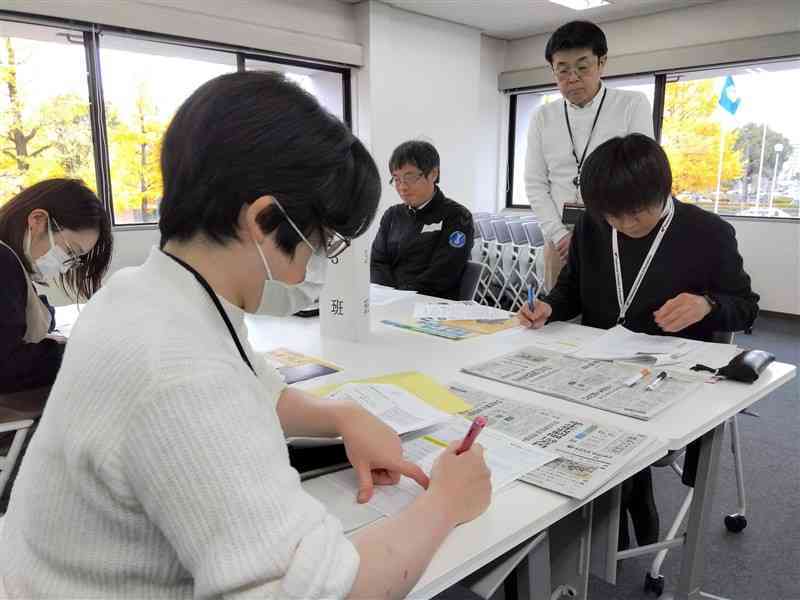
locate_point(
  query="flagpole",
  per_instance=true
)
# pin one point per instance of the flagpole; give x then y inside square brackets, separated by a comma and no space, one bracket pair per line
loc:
[761,166]
[719,167]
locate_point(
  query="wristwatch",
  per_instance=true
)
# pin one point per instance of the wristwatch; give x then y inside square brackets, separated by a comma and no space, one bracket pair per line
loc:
[711,302]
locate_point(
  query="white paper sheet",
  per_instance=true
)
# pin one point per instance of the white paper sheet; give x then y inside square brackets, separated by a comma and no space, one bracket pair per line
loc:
[508,460]
[398,408]
[565,338]
[380,295]
[619,343]
[466,310]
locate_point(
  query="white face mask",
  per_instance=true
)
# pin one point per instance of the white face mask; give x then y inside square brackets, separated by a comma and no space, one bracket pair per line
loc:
[53,263]
[280,299]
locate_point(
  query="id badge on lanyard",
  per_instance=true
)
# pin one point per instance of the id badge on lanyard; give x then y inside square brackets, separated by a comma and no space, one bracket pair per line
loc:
[625,303]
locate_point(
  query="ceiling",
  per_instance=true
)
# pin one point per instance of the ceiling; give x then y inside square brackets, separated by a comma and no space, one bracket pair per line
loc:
[512,19]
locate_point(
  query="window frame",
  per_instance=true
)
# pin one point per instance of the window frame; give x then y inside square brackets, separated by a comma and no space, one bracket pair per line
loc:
[660,80]
[91,41]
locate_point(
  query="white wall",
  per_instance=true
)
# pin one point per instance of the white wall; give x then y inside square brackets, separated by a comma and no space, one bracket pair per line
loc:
[696,25]
[431,79]
[321,29]
[492,128]
[771,253]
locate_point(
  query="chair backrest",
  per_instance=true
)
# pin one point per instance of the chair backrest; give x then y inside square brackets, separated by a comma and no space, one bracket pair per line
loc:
[485,227]
[529,219]
[469,280]
[480,215]
[501,232]
[517,233]
[534,233]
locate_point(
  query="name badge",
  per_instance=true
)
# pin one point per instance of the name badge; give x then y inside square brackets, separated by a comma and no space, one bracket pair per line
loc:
[432,227]
[571,213]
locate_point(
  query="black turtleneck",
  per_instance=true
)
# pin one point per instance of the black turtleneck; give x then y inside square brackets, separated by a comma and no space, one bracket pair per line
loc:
[423,249]
[698,255]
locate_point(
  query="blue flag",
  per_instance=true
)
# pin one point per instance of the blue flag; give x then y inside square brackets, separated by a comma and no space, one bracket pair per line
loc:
[728,98]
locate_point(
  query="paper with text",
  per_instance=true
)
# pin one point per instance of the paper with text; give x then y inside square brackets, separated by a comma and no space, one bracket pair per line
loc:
[398,408]
[466,310]
[508,460]
[596,383]
[589,453]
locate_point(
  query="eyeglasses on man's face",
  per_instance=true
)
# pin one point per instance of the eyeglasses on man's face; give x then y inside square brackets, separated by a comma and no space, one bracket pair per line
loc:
[408,179]
[581,69]
[335,243]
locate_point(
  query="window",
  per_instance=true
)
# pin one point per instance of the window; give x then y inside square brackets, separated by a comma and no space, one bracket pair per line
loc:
[51,86]
[45,124]
[744,161]
[526,104]
[326,86]
[144,83]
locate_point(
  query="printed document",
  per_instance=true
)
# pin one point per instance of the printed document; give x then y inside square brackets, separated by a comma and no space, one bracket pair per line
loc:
[380,295]
[466,310]
[508,460]
[597,383]
[619,343]
[589,453]
[398,408]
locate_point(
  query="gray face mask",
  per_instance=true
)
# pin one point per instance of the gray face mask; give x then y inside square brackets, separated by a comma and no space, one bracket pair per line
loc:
[280,299]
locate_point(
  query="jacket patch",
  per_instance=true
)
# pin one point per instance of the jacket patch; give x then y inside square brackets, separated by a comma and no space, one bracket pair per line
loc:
[457,239]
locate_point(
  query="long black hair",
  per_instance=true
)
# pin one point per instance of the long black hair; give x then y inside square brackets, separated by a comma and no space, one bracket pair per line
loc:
[245,135]
[72,206]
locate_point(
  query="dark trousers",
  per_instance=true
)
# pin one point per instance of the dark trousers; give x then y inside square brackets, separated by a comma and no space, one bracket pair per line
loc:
[639,502]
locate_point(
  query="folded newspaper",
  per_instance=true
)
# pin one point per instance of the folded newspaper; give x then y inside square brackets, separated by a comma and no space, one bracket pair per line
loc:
[597,383]
[589,453]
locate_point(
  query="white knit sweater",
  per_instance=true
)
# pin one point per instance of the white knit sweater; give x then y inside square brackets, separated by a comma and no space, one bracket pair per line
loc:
[159,468]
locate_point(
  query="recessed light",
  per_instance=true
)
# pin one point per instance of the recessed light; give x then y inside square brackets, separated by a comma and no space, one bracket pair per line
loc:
[581,4]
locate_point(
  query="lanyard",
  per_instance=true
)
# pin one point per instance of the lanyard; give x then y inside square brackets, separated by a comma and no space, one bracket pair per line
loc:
[218,304]
[576,180]
[625,304]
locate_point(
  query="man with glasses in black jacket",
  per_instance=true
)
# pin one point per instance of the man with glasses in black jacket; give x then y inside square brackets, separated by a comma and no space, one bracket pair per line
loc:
[424,243]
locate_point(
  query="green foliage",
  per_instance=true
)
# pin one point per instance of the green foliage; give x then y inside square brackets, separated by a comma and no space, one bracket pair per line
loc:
[690,135]
[54,139]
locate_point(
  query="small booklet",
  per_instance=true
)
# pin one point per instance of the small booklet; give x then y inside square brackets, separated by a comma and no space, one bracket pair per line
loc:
[297,367]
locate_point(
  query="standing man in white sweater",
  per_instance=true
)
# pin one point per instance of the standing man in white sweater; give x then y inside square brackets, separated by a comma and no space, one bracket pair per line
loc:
[160,469]
[562,134]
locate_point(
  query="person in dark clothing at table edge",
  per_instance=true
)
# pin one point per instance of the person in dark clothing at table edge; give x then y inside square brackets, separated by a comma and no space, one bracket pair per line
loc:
[678,267]
[424,243]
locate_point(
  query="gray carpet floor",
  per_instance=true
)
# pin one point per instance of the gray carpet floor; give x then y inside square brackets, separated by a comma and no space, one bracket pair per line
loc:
[763,561]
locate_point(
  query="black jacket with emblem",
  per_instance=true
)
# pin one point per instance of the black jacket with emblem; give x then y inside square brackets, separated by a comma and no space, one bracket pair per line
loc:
[424,250]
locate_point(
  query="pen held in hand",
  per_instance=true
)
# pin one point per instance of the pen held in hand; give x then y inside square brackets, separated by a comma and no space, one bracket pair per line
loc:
[477,426]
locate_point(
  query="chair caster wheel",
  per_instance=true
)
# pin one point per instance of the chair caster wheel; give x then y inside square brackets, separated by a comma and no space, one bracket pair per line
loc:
[653,585]
[735,523]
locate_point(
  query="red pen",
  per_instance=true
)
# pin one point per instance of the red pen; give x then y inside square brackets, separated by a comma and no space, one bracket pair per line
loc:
[477,425]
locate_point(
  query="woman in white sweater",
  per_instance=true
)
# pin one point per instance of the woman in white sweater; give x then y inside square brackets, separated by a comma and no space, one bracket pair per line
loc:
[159,469]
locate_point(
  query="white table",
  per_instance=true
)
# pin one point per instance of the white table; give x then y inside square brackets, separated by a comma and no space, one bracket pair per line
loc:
[520,512]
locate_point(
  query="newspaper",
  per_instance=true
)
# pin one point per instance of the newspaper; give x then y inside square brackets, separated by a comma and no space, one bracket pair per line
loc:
[590,453]
[600,384]
[507,458]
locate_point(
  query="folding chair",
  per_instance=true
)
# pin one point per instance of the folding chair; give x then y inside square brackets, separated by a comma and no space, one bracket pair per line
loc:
[12,421]
[523,263]
[470,280]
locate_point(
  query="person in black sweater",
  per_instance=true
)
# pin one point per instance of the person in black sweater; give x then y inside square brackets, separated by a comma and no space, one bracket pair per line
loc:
[424,243]
[695,284]
[54,231]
